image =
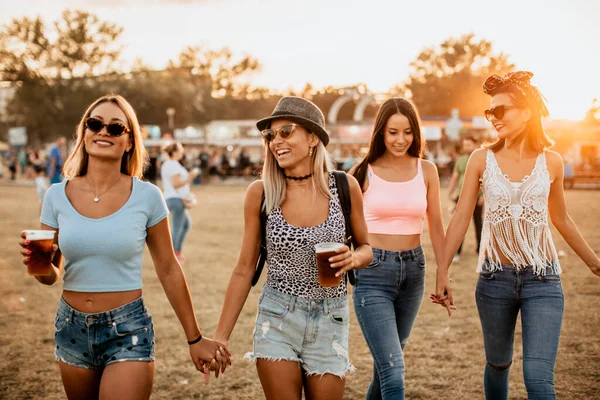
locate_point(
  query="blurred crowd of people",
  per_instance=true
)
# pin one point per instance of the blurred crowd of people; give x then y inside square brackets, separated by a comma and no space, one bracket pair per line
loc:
[26,162]
[215,163]
[40,165]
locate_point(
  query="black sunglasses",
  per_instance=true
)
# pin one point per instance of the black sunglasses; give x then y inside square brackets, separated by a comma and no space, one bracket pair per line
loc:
[497,112]
[284,131]
[113,129]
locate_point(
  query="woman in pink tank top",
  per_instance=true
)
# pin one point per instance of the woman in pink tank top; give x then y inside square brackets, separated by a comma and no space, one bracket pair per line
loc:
[399,189]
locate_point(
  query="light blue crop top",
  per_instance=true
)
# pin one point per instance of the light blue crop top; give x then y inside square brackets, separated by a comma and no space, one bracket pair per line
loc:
[104,254]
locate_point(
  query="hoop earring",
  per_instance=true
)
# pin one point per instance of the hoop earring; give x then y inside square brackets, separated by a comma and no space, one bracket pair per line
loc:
[310,152]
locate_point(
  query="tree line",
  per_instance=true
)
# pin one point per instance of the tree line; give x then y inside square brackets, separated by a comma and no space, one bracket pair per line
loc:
[58,69]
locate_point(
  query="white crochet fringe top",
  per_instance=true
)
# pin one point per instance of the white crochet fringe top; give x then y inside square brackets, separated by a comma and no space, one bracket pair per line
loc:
[516,220]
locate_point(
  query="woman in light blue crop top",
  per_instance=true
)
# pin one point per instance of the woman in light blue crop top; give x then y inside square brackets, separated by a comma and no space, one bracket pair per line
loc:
[104,215]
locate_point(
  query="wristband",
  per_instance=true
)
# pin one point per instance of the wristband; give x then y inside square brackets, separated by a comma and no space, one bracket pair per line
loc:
[199,338]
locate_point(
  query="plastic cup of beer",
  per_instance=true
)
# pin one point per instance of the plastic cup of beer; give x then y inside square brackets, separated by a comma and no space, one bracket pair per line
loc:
[327,276]
[40,244]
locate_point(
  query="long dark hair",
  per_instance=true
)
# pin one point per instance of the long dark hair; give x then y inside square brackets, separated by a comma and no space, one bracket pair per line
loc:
[393,106]
[534,135]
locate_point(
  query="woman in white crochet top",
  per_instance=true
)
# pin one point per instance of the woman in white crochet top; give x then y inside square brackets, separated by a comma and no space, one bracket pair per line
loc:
[518,266]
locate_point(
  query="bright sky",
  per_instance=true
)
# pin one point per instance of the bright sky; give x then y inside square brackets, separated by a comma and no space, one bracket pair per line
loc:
[343,42]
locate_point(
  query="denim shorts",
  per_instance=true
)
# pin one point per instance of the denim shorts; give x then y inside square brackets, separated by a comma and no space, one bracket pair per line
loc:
[94,341]
[312,332]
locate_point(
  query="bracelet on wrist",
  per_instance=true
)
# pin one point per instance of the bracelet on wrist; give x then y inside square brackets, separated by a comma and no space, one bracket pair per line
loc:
[199,338]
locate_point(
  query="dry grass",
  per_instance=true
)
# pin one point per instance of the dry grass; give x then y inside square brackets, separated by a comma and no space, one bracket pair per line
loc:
[444,357]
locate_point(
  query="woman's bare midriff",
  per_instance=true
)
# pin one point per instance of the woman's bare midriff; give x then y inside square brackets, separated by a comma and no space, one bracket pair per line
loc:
[394,242]
[92,302]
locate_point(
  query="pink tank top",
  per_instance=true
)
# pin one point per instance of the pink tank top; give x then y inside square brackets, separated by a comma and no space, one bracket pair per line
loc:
[395,208]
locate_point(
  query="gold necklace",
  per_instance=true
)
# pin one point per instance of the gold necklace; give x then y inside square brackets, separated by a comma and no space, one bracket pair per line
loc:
[96,194]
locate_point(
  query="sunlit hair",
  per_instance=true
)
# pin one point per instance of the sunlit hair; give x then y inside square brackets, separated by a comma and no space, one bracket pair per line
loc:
[393,106]
[132,162]
[534,135]
[275,184]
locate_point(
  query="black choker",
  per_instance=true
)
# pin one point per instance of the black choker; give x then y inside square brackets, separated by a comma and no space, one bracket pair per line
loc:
[297,178]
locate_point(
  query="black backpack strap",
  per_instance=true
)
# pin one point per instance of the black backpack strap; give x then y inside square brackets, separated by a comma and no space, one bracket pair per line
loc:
[262,257]
[343,189]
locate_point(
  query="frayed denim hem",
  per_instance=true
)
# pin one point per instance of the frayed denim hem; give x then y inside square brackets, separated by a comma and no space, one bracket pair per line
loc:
[58,358]
[349,370]
[138,359]
[252,357]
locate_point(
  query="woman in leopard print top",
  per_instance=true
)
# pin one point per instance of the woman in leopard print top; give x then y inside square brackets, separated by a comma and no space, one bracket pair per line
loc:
[301,333]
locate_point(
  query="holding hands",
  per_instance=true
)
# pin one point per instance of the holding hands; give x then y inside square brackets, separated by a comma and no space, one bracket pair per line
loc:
[443,291]
[209,355]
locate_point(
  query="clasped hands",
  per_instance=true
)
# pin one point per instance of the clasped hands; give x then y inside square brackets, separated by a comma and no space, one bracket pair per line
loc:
[209,355]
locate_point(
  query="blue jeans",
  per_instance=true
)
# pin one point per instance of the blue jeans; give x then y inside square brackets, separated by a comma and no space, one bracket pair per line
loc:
[180,221]
[387,298]
[500,296]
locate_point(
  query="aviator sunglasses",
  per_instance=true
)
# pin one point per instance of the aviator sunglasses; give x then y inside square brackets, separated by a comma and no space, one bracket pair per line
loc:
[284,132]
[113,128]
[497,112]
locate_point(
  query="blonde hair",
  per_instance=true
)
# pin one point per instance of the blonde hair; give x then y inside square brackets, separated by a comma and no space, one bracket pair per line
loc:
[274,182]
[133,161]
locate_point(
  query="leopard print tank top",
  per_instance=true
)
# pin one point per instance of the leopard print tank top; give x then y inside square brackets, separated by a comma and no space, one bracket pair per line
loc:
[291,259]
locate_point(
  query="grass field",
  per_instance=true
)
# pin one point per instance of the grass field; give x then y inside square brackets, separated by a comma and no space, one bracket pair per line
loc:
[444,356]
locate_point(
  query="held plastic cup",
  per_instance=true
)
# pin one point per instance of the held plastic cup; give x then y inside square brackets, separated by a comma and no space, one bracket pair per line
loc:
[327,276]
[40,259]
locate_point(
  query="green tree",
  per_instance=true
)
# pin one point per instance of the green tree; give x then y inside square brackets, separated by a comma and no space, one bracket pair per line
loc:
[151,92]
[217,79]
[451,76]
[56,76]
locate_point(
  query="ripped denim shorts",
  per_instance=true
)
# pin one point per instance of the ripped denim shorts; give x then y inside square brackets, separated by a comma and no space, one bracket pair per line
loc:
[312,332]
[94,341]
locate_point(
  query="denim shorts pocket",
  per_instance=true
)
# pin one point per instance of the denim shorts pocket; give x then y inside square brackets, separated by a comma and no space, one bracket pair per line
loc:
[60,323]
[268,306]
[488,276]
[374,263]
[132,326]
[340,316]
